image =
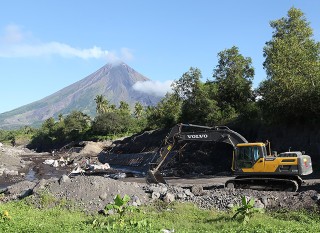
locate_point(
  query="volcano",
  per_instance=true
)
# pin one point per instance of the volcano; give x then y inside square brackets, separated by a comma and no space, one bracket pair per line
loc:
[114,81]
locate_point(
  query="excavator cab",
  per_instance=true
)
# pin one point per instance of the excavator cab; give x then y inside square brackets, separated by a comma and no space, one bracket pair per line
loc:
[247,155]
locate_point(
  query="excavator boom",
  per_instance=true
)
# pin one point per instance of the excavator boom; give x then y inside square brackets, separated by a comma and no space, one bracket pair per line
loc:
[202,133]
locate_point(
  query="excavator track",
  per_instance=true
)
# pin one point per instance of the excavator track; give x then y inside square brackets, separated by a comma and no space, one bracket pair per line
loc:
[265,183]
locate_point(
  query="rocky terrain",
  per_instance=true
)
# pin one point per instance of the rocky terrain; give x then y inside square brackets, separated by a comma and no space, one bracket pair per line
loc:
[91,192]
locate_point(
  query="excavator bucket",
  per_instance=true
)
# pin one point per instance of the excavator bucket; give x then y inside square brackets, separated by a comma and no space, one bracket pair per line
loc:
[155,177]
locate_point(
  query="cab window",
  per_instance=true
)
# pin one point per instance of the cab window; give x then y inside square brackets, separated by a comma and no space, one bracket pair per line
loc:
[248,155]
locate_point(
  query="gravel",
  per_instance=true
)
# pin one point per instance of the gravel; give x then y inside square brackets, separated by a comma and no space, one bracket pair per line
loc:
[93,193]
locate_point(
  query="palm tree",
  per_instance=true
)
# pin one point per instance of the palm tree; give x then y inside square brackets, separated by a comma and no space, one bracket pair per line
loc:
[138,110]
[102,104]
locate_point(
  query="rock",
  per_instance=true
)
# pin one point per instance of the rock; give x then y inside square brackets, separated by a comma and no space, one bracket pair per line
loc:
[155,195]
[64,179]
[3,190]
[10,173]
[230,206]
[55,163]
[25,193]
[103,196]
[167,231]
[49,161]
[2,171]
[259,204]
[159,188]
[136,201]
[197,190]
[169,197]
[188,192]
[316,197]
[20,189]
[181,196]
[40,185]
[117,176]
[264,200]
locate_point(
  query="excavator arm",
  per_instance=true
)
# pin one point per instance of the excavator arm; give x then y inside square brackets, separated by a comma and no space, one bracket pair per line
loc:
[179,133]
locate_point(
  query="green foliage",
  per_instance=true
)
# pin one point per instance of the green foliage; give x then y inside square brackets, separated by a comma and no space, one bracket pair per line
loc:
[165,114]
[233,76]
[19,136]
[197,104]
[138,110]
[103,104]
[246,210]
[76,124]
[187,85]
[291,91]
[26,218]
[112,123]
[52,134]
[120,207]
[124,108]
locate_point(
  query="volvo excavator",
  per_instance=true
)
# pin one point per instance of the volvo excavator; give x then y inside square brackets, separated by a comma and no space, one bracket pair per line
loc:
[252,166]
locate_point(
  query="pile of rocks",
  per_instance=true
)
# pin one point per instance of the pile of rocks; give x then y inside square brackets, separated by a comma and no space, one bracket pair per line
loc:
[93,193]
[220,198]
[10,162]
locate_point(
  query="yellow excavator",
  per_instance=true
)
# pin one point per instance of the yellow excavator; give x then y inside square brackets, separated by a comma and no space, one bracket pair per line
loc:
[252,165]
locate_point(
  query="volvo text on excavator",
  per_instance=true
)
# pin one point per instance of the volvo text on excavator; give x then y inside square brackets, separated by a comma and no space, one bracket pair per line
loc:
[252,166]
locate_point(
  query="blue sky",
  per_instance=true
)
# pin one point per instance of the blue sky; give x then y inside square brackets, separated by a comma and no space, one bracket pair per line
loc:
[48,45]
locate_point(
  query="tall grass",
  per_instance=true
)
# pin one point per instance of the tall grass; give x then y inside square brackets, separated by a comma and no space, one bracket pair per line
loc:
[22,217]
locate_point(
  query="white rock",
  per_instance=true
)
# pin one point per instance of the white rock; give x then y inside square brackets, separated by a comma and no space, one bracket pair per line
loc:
[155,195]
[169,197]
[48,161]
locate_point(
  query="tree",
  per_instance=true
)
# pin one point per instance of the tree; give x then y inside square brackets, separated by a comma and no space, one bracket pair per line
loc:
[200,108]
[111,123]
[291,90]
[60,117]
[165,114]
[138,110]
[124,108]
[233,76]
[46,137]
[102,104]
[185,87]
[196,104]
[76,124]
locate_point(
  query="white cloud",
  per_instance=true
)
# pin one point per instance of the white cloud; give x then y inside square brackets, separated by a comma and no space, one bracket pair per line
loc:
[12,34]
[126,54]
[16,43]
[51,48]
[154,88]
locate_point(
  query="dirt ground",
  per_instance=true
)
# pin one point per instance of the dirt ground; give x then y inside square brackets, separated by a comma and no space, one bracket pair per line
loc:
[25,174]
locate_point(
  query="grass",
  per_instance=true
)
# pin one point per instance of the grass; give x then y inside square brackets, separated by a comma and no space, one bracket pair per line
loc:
[22,217]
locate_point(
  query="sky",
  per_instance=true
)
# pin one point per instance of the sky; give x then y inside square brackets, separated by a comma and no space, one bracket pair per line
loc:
[48,45]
